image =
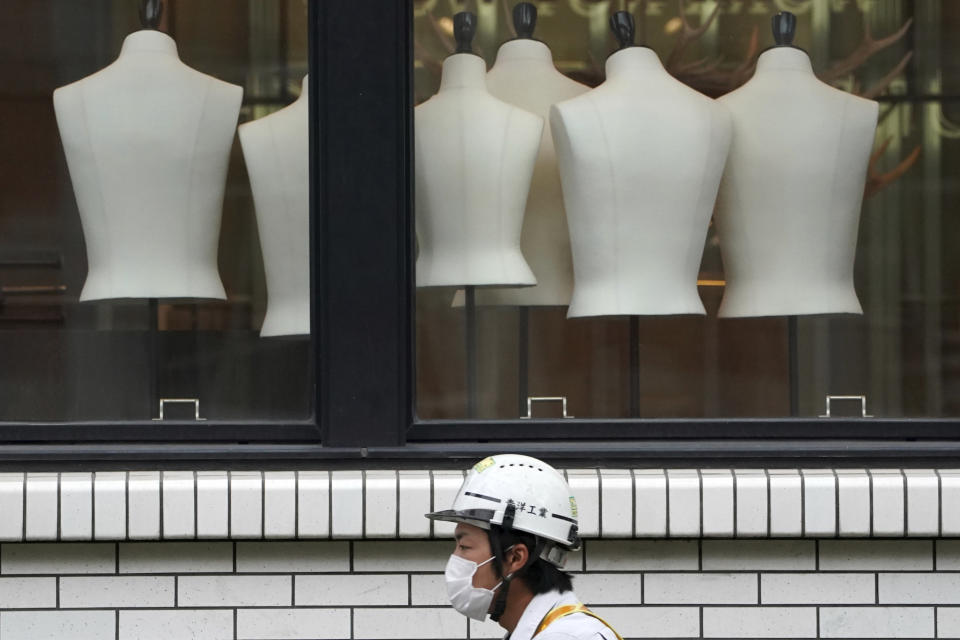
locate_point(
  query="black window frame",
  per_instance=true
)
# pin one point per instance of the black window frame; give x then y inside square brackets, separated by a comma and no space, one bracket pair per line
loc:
[361,148]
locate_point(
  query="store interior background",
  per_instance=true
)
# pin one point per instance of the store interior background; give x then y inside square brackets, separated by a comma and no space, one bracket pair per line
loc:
[903,353]
[61,360]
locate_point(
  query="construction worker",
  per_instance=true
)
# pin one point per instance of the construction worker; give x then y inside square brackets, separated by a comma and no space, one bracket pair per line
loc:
[516,523]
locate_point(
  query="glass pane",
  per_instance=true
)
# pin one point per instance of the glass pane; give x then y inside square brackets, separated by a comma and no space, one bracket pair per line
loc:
[137,262]
[717,223]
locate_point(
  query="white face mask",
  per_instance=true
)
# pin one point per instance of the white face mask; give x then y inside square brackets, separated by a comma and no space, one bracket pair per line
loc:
[469,600]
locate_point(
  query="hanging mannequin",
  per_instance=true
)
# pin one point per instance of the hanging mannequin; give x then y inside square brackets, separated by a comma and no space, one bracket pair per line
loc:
[524,76]
[147,141]
[789,203]
[640,160]
[276,150]
[474,159]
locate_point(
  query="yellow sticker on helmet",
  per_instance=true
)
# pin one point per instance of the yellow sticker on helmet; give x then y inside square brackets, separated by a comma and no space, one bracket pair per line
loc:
[483,465]
[573,506]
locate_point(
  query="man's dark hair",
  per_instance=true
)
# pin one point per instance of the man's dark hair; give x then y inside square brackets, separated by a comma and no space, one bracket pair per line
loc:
[540,576]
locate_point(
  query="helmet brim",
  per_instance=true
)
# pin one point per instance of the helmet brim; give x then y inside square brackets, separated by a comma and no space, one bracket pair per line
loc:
[477,517]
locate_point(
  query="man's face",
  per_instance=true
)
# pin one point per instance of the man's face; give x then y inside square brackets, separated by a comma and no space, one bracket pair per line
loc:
[473,544]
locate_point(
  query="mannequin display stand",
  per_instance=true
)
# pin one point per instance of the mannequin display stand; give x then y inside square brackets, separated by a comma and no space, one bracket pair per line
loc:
[276,152]
[524,75]
[789,206]
[640,160]
[475,157]
[147,141]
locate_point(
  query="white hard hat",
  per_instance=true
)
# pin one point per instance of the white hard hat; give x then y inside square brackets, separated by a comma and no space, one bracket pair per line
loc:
[519,493]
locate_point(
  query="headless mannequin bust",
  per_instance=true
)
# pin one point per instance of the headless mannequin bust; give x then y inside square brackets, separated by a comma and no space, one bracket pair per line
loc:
[277,155]
[147,141]
[791,194]
[640,161]
[524,76]
[474,159]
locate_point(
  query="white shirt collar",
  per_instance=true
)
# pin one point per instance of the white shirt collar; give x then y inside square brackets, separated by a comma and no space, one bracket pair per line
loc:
[537,610]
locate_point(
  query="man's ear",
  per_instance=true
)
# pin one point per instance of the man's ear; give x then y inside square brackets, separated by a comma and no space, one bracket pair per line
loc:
[515,558]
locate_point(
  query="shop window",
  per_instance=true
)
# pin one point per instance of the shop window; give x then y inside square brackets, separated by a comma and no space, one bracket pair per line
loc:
[686,210]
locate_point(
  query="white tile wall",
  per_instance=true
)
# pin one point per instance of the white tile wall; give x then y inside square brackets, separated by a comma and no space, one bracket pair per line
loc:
[246,504]
[289,624]
[52,559]
[110,505]
[356,590]
[414,499]
[28,593]
[923,502]
[235,591]
[381,516]
[11,506]
[644,555]
[289,556]
[58,625]
[43,502]
[751,511]
[354,504]
[213,499]
[279,504]
[101,592]
[877,622]
[700,588]
[888,502]
[428,623]
[313,504]
[683,502]
[651,502]
[143,505]
[371,557]
[365,589]
[346,496]
[919,588]
[786,503]
[948,555]
[179,508]
[819,502]
[76,506]
[853,493]
[196,624]
[718,513]
[818,588]
[876,555]
[363,585]
[759,622]
[948,622]
[764,555]
[616,496]
[175,557]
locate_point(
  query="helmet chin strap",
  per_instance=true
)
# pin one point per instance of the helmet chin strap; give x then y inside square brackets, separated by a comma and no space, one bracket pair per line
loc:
[500,601]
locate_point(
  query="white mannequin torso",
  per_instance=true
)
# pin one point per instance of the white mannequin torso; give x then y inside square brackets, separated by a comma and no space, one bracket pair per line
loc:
[640,160]
[276,150]
[789,204]
[147,141]
[524,75]
[474,159]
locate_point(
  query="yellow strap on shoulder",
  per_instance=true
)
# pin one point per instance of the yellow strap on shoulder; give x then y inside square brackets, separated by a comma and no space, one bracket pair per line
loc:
[566,610]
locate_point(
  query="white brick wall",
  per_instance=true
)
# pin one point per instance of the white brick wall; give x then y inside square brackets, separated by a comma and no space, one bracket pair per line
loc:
[393,589]
[685,553]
